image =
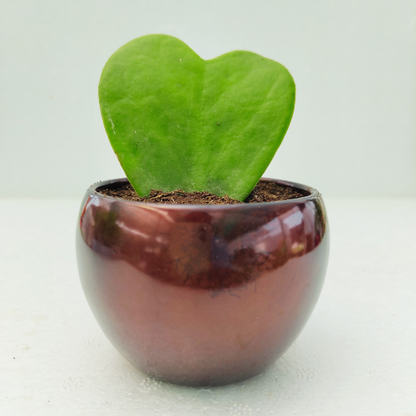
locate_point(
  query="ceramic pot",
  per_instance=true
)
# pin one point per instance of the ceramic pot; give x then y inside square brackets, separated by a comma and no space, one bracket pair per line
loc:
[198,294]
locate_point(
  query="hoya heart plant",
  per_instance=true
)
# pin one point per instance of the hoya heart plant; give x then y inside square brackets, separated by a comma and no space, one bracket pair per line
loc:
[177,121]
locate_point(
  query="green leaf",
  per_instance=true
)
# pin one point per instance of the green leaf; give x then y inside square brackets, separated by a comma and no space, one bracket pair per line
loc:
[177,121]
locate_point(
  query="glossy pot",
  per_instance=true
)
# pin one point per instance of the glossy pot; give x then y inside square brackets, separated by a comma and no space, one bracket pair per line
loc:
[202,295]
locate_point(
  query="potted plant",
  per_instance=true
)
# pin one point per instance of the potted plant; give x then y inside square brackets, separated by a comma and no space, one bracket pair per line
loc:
[199,294]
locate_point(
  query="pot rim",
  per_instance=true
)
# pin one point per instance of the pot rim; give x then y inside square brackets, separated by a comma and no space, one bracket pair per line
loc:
[312,195]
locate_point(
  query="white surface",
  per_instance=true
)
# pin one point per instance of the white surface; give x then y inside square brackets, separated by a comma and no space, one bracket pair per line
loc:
[356,355]
[354,62]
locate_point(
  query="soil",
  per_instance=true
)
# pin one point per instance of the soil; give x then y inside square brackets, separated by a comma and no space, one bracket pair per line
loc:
[263,192]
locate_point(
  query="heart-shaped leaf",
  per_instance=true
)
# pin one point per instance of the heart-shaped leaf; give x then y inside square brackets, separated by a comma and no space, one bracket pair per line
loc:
[177,121]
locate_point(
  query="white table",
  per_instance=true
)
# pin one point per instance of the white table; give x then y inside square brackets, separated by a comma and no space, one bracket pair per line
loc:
[356,356]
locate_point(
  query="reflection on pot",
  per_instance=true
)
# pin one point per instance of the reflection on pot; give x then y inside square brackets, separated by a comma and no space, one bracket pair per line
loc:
[212,249]
[149,272]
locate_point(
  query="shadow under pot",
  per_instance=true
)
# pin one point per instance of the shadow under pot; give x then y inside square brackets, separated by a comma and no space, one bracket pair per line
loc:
[197,294]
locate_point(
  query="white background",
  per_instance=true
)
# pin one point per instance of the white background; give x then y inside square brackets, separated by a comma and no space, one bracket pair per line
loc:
[354,62]
[353,136]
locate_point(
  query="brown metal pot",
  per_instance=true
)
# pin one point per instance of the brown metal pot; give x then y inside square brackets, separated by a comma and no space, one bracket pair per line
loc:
[197,294]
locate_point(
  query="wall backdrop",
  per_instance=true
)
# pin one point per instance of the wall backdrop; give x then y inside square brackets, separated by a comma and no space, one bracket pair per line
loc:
[353,133]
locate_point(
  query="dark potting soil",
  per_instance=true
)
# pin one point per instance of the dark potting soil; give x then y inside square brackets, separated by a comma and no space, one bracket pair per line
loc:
[263,192]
